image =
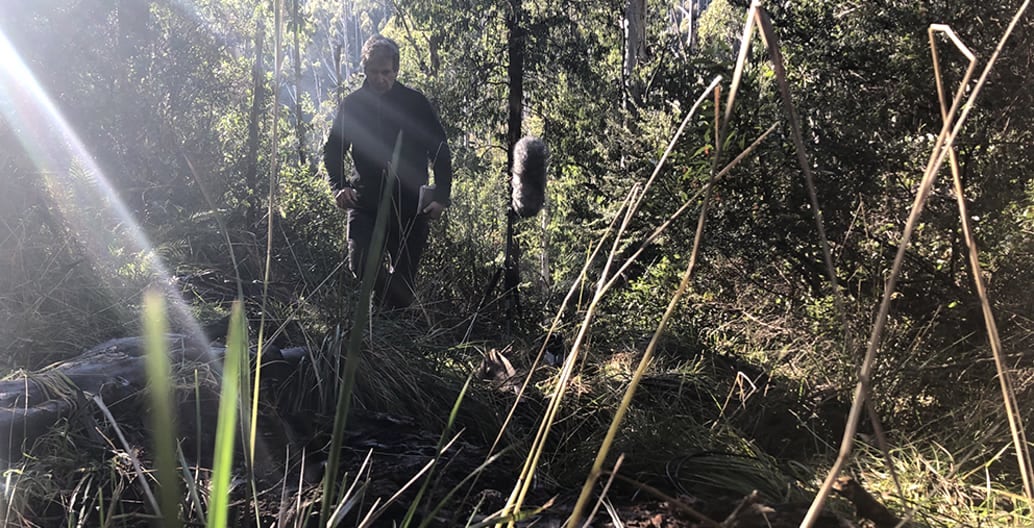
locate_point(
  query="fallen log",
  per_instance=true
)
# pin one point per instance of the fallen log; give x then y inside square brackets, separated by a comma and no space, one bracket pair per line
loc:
[293,423]
[31,403]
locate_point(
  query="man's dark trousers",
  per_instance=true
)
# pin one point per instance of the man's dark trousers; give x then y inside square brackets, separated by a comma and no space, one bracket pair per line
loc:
[404,243]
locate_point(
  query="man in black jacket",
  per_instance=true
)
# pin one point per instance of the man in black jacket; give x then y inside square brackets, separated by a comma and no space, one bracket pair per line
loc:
[368,122]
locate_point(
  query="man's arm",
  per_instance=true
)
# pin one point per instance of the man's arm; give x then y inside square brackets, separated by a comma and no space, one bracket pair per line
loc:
[440,157]
[334,151]
[334,160]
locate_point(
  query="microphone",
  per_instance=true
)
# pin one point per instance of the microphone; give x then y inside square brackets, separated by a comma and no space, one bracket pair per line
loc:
[528,180]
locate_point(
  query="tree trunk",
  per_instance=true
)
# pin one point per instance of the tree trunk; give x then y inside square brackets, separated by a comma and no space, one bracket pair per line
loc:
[635,45]
[299,121]
[114,374]
[258,101]
[515,52]
[32,404]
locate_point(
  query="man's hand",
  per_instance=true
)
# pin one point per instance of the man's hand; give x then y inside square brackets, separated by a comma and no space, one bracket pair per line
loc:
[433,210]
[345,198]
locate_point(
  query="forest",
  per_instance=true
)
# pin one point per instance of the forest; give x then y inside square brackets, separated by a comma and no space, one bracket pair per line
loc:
[777,279]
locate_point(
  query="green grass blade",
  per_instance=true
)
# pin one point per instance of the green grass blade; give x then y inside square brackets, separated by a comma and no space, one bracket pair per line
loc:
[355,492]
[438,452]
[159,376]
[355,337]
[350,502]
[191,481]
[379,509]
[101,518]
[473,474]
[226,428]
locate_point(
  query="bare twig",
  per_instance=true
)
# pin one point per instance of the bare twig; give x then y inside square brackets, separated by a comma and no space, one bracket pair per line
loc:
[704,520]
[941,146]
[626,400]
[603,494]
[772,43]
[270,210]
[137,468]
[1012,409]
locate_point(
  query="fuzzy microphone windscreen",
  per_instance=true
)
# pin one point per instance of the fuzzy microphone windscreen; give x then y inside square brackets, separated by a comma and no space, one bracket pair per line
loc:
[530,156]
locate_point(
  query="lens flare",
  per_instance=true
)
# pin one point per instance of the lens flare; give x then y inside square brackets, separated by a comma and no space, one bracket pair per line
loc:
[59,155]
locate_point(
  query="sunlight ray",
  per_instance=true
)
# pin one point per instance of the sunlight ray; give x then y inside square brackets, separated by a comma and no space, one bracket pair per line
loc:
[58,153]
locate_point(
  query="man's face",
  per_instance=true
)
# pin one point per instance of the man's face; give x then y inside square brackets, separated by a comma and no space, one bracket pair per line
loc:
[380,73]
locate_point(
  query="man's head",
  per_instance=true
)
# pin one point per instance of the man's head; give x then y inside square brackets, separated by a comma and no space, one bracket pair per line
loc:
[380,61]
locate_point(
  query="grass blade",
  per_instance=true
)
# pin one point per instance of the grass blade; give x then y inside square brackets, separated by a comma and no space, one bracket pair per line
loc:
[137,467]
[163,430]
[226,428]
[462,483]
[355,492]
[376,512]
[355,338]
[438,453]
[191,480]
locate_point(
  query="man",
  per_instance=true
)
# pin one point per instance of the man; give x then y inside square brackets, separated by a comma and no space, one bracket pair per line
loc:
[368,122]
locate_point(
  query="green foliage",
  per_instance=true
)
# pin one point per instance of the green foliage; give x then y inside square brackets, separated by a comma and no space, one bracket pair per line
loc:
[719,31]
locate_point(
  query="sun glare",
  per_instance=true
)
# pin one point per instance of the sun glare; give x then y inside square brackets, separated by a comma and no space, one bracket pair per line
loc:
[58,154]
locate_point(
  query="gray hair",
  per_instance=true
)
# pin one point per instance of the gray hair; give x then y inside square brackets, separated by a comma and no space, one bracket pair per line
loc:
[379,46]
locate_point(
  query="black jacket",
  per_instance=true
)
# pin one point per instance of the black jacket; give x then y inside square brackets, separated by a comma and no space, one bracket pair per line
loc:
[368,123]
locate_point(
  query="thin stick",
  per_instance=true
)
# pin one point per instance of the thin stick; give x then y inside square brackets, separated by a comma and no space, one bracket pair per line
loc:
[603,494]
[524,481]
[674,139]
[865,373]
[516,498]
[689,202]
[717,112]
[601,454]
[944,141]
[137,468]
[772,43]
[556,322]
[270,210]
[657,232]
[649,182]
[748,33]
[1012,410]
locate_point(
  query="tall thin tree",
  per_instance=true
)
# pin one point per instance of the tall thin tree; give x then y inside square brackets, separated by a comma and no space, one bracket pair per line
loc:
[635,46]
[299,122]
[515,43]
[258,101]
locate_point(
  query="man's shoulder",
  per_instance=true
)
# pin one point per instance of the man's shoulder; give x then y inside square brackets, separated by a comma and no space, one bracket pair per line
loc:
[358,96]
[405,92]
